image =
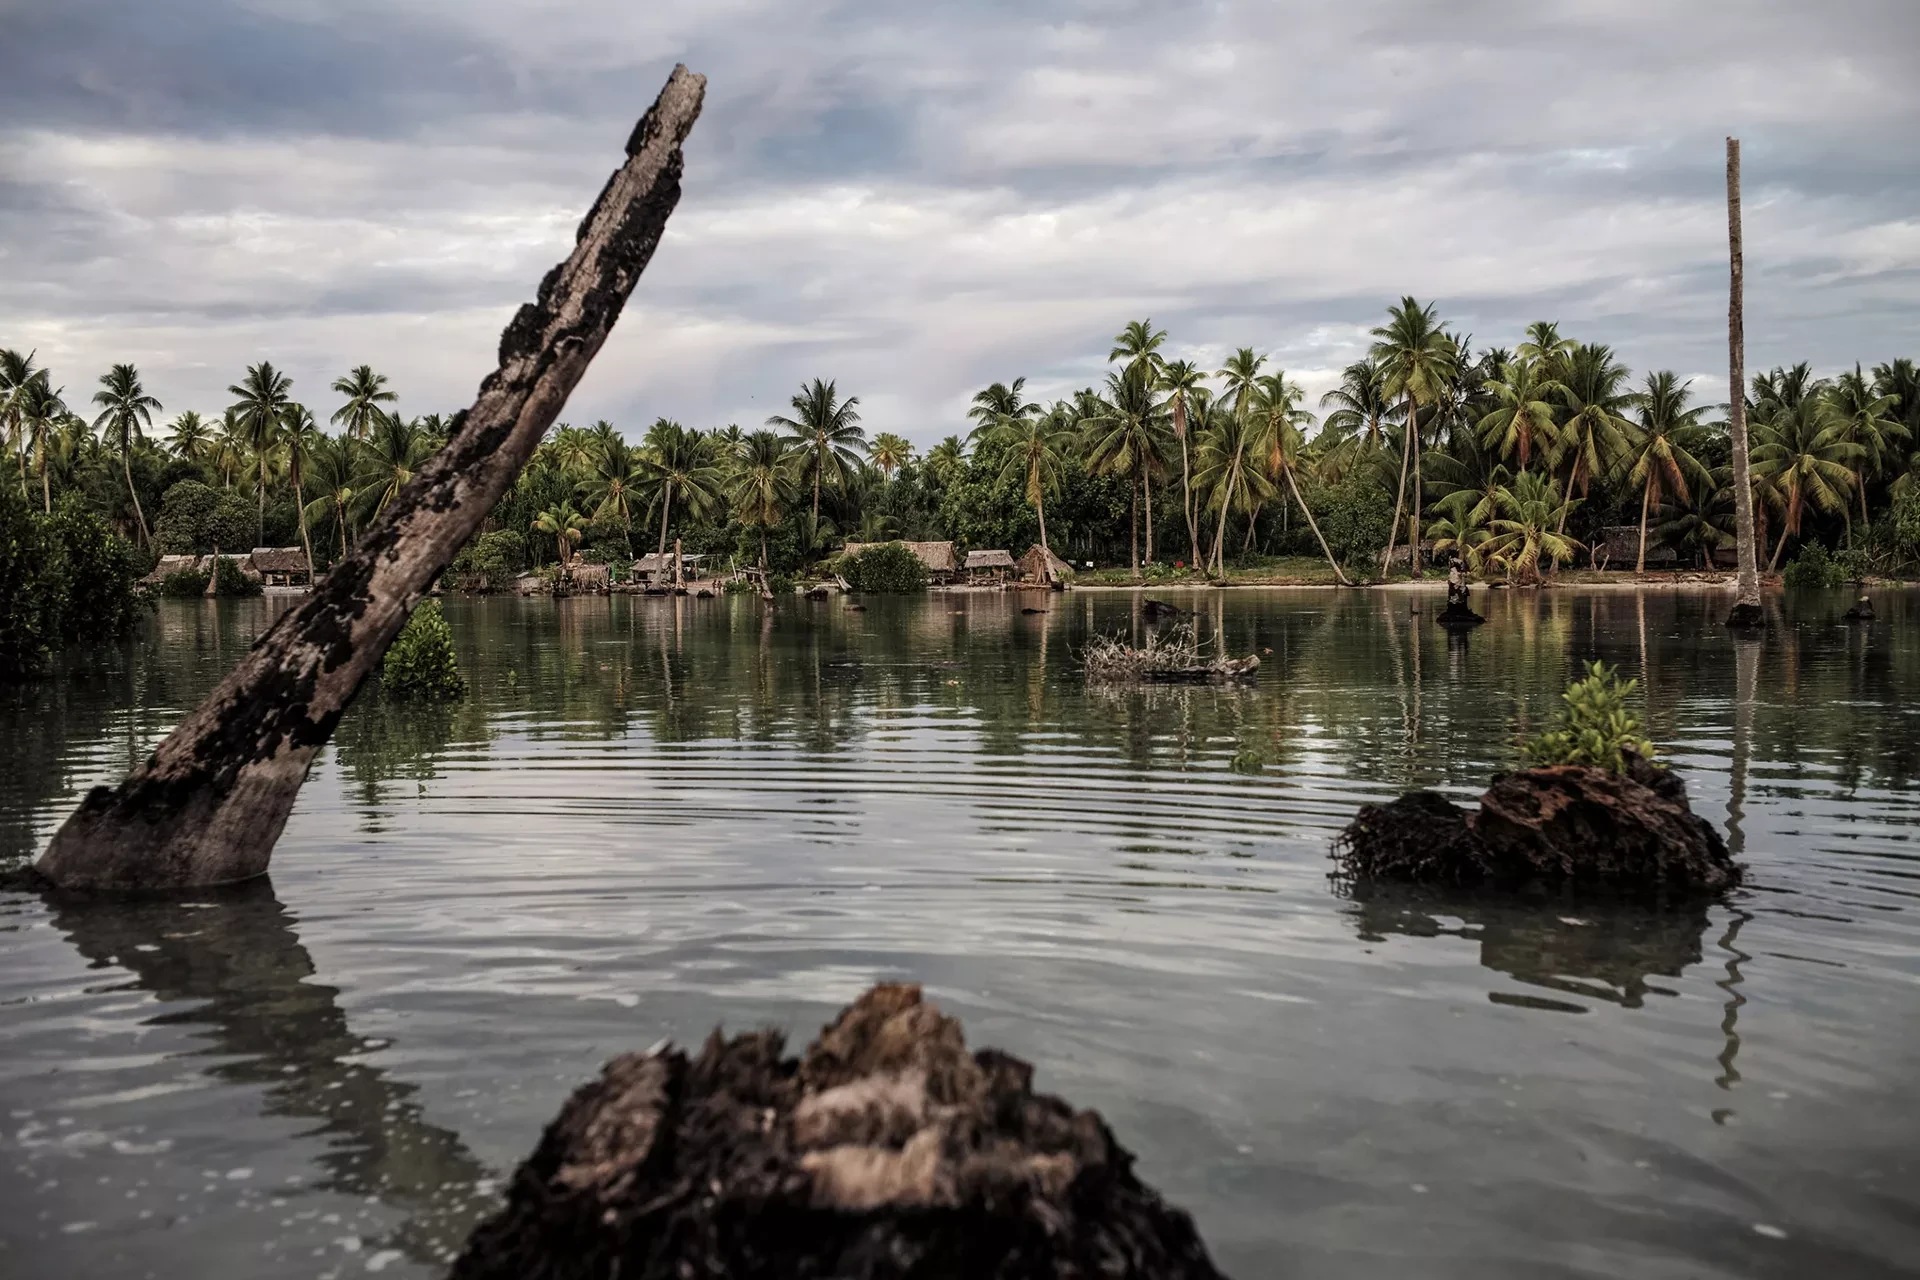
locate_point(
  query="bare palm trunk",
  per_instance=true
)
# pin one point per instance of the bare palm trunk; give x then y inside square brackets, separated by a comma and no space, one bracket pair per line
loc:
[208,804]
[666,509]
[126,469]
[1186,482]
[1226,505]
[1040,510]
[1133,528]
[817,464]
[1400,496]
[46,486]
[1253,522]
[306,540]
[1572,476]
[1413,534]
[340,518]
[1746,607]
[1774,563]
[1146,487]
[763,546]
[260,536]
[1339,574]
[1646,503]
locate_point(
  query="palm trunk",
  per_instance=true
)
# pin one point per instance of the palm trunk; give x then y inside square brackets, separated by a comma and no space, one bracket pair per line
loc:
[1226,505]
[261,533]
[1133,528]
[1040,510]
[1400,495]
[763,545]
[24,491]
[1572,475]
[1778,547]
[1646,502]
[126,469]
[46,486]
[340,518]
[1253,522]
[1146,487]
[1186,481]
[1413,543]
[666,508]
[1746,608]
[1339,574]
[816,499]
[306,540]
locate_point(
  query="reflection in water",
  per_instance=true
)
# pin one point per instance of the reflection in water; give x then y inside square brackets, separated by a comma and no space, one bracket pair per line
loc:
[232,965]
[1599,951]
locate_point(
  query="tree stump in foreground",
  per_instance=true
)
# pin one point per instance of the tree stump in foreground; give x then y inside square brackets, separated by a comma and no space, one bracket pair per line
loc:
[885,1151]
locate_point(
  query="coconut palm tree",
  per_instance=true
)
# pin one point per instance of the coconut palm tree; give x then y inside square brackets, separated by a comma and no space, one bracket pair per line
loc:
[1419,359]
[1123,437]
[1868,417]
[230,446]
[42,411]
[1033,445]
[1597,435]
[331,469]
[16,371]
[677,465]
[1661,454]
[997,403]
[890,453]
[1139,343]
[1229,469]
[1182,381]
[394,449]
[125,409]
[299,436]
[1525,399]
[946,460]
[1545,347]
[1804,455]
[1283,445]
[1241,378]
[365,391]
[262,399]
[564,525]
[1700,516]
[1527,528]
[1360,403]
[615,488]
[763,485]
[190,437]
[826,433]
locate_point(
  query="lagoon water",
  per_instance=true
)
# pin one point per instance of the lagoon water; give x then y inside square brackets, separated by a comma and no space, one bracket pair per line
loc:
[652,816]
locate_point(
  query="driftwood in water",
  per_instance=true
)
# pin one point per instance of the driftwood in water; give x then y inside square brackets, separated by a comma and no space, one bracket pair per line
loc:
[1161,611]
[1562,826]
[1862,611]
[886,1151]
[208,805]
[1174,657]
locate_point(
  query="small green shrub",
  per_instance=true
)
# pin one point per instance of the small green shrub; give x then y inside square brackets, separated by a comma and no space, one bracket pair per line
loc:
[888,569]
[1906,523]
[1813,567]
[230,581]
[1247,760]
[1594,727]
[185,582]
[737,587]
[421,662]
[780,584]
[65,579]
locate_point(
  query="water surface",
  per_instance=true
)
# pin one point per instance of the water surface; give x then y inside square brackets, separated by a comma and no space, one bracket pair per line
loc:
[655,815]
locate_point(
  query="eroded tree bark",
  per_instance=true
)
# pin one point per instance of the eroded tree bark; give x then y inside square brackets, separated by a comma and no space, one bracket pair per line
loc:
[207,807]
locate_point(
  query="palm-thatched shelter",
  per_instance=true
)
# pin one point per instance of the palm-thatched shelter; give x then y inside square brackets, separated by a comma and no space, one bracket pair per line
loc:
[942,561]
[590,579]
[1618,547]
[280,566]
[989,566]
[1040,566]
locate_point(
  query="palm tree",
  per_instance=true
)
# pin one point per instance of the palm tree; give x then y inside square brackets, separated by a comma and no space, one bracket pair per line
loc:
[299,436]
[393,451]
[1531,515]
[826,431]
[16,371]
[331,468]
[1360,402]
[678,466]
[1418,358]
[1282,418]
[1241,376]
[1597,434]
[997,403]
[1138,342]
[1123,439]
[574,450]
[1545,347]
[946,460]
[1524,395]
[1869,418]
[890,453]
[604,436]
[1701,515]
[615,487]
[125,408]
[263,398]
[564,524]
[41,411]
[230,446]
[1803,453]
[365,391]
[190,439]
[1229,469]
[1662,452]
[763,485]
[1033,445]
[1183,381]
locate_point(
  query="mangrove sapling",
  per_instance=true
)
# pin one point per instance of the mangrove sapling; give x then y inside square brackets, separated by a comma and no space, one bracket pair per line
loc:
[421,662]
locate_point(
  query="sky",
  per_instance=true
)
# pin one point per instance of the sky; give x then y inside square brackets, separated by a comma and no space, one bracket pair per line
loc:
[915,200]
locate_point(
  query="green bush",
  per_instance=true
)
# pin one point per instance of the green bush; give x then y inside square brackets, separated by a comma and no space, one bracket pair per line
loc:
[497,556]
[421,662]
[1813,567]
[186,517]
[1594,727]
[1906,523]
[185,582]
[32,589]
[103,598]
[64,579]
[888,569]
[232,524]
[780,584]
[737,587]
[230,581]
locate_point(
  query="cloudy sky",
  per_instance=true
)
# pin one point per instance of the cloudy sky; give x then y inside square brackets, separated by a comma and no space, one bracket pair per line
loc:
[917,199]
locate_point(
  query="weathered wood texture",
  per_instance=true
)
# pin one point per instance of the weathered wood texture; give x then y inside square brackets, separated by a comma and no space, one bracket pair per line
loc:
[1746,608]
[207,807]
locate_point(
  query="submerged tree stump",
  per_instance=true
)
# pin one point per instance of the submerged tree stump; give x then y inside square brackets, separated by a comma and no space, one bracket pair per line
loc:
[1559,826]
[208,805]
[885,1151]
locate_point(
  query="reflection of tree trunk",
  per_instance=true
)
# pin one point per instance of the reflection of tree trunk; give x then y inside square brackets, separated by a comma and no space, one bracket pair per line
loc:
[209,803]
[236,972]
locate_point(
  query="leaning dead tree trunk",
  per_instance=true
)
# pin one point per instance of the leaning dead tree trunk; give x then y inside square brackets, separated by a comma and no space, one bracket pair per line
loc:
[1746,606]
[207,807]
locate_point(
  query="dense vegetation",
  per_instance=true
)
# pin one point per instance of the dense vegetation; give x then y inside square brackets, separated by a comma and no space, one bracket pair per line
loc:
[65,578]
[1516,461]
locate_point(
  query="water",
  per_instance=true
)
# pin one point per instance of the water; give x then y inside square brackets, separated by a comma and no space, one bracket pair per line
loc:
[655,815]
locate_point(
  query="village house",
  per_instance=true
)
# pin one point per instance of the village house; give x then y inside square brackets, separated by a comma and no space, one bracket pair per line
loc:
[985,568]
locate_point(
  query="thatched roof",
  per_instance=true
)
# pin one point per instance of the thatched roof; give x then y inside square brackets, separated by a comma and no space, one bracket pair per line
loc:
[170,565]
[939,557]
[279,559]
[1037,561]
[989,560]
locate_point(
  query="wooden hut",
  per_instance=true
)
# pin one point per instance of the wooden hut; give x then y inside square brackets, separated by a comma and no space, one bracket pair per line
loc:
[280,566]
[985,568]
[594,579]
[170,565]
[943,563]
[1040,567]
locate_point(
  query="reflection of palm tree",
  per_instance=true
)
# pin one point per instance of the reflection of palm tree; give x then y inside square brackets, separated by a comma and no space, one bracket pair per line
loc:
[232,963]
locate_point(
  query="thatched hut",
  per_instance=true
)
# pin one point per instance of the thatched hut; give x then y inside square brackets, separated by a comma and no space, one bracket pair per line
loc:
[987,567]
[942,561]
[279,566]
[1040,566]
[170,565]
[593,579]
[1618,547]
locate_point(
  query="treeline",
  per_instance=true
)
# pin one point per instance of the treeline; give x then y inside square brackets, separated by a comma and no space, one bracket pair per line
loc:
[1514,460]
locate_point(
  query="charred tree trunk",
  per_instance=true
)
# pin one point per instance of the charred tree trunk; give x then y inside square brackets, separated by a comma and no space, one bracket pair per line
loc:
[208,805]
[1746,606]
